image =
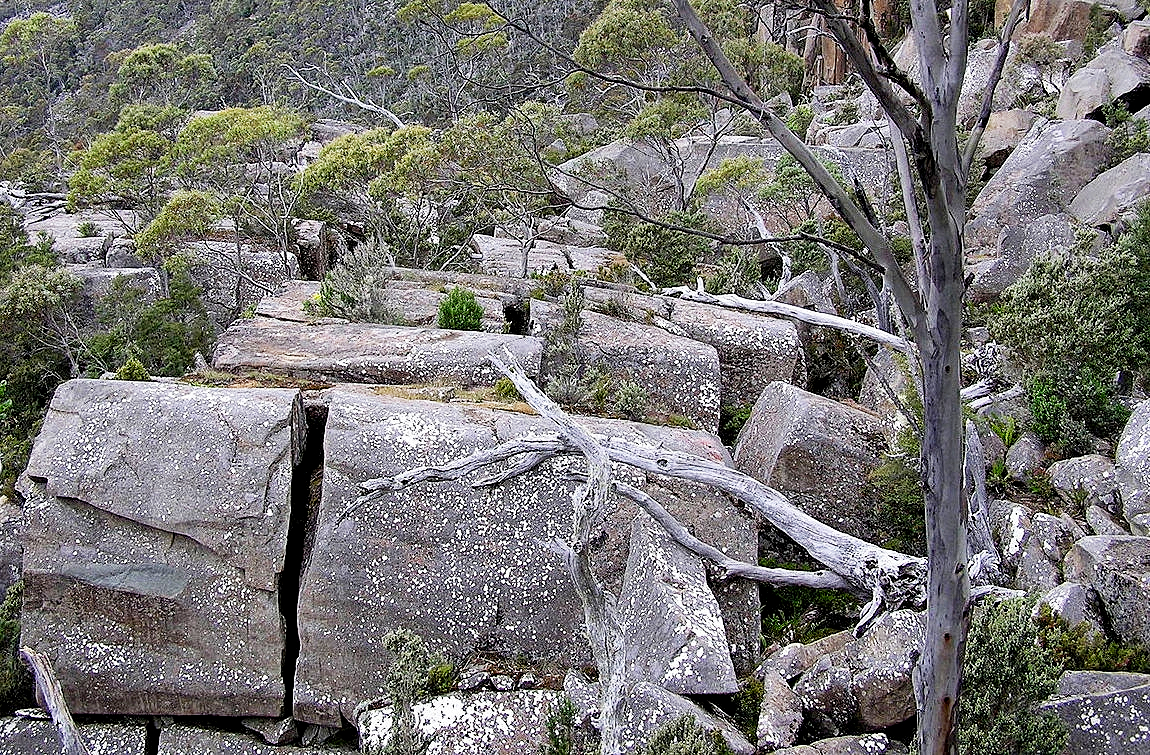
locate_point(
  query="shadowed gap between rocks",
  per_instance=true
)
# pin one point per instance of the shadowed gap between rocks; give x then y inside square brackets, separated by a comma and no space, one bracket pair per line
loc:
[307,482]
[152,738]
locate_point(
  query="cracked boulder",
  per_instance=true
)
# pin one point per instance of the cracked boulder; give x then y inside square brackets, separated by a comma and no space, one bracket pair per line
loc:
[1132,469]
[157,518]
[1117,567]
[467,568]
[506,256]
[182,740]
[817,452]
[681,376]
[347,352]
[1104,716]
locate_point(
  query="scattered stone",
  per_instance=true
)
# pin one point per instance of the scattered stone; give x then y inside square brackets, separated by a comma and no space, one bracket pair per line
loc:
[482,723]
[157,531]
[1084,94]
[1117,191]
[1114,723]
[1025,457]
[122,254]
[11,543]
[528,681]
[1136,39]
[781,714]
[667,607]
[464,567]
[502,682]
[1059,19]
[681,376]
[1031,552]
[816,451]
[1132,469]
[1118,569]
[1100,523]
[361,353]
[791,661]
[1085,480]
[1017,247]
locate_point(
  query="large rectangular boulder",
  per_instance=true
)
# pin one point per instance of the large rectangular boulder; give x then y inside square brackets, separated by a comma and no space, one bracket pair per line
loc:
[25,736]
[347,352]
[157,521]
[468,568]
[1118,568]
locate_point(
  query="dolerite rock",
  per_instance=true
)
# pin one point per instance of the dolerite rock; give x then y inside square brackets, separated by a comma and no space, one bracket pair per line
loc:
[1136,39]
[681,376]
[1083,94]
[233,279]
[780,715]
[1074,604]
[11,543]
[1004,131]
[867,744]
[1086,479]
[1032,545]
[1118,569]
[504,256]
[186,740]
[1017,247]
[483,723]
[1043,174]
[1025,457]
[1059,19]
[22,736]
[97,281]
[671,613]
[648,707]
[1078,683]
[1124,78]
[157,532]
[467,568]
[816,451]
[1132,469]
[1100,522]
[1109,723]
[792,660]
[362,353]
[868,682]
[1115,192]
[122,254]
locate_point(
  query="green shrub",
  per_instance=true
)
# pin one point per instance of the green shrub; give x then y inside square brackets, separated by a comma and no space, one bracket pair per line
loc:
[356,288]
[901,514]
[731,421]
[563,736]
[1071,405]
[459,310]
[15,681]
[803,614]
[88,229]
[133,369]
[799,120]
[668,257]
[747,704]
[631,400]
[1006,674]
[1006,428]
[737,272]
[1080,648]
[406,683]
[504,388]
[684,736]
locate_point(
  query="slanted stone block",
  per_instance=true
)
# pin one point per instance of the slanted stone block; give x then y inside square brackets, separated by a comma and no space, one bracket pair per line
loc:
[23,736]
[157,518]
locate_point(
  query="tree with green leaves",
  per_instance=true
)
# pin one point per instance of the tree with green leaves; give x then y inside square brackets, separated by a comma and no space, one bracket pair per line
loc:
[162,74]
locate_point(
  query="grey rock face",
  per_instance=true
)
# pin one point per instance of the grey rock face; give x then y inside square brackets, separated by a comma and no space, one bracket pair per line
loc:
[1132,469]
[98,280]
[1114,75]
[157,529]
[680,375]
[1115,192]
[868,682]
[1084,94]
[867,744]
[505,256]
[233,279]
[21,736]
[483,723]
[668,608]
[1074,604]
[816,451]
[361,353]
[1078,683]
[183,740]
[1114,723]
[464,567]
[780,716]
[1018,246]
[1100,522]
[11,543]
[1043,174]
[1118,569]
[1088,479]
[1004,131]
[1032,545]
[1025,457]
[648,707]
[792,660]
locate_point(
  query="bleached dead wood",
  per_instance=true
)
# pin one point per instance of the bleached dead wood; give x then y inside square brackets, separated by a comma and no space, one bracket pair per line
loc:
[52,698]
[986,561]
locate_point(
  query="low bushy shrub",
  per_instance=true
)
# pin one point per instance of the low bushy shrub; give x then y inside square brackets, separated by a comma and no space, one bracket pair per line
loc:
[459,310]
[684,736]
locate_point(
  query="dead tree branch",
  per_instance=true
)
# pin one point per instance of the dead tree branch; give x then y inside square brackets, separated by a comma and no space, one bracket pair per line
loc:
[52,698]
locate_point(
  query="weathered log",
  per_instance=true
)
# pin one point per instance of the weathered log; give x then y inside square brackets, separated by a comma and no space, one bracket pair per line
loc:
[986,563]
[50,695]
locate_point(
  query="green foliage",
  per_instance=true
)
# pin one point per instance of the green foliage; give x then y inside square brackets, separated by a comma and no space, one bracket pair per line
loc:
[684,736]
[1128,136]
[188,215]
[747,704]
[731,421]
[356,288]
[459,310]
[133,369]
[1089,311]
[1006,428]
[799,120]
[667,256]
[563,736]
[1069,405]
[1039,50]
[803,614]
[737,272]
[900,513]
[981,13]
[405,685]
[504,388]
[1006,673]
[163,74]
[1081,648]
[631,399]
[5,402]
[15,681]
[88,229]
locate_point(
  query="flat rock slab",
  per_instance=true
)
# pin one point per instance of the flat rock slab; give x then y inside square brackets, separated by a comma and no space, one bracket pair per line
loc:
[467,568]
[681,375]
[483,723]
[818,452]
[22,736]
[1118,568]
[186,740]
[1114,723]
[417,303]
[341,352]
[867,744]
[1115,192]
[505,256]
[157,519]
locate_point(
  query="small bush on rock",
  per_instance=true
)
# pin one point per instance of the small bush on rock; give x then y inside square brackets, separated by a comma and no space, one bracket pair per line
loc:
[460,310]
[356,288]
[1006,673]
[684,736]
[133,369]
[406,684]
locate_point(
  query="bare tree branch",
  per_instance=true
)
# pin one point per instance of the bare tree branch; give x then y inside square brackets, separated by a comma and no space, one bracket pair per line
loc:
[349,99]
[52,697]
[972,141]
